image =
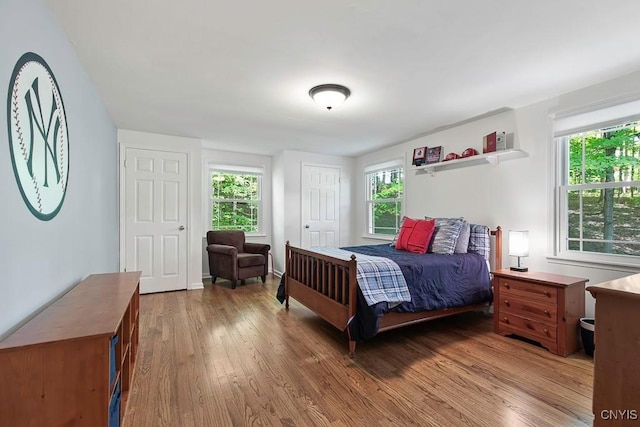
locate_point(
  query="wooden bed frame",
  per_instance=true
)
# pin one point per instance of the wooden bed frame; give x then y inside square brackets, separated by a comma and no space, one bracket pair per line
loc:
[326,285]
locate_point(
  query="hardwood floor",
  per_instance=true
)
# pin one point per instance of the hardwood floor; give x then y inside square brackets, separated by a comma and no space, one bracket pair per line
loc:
[223,357]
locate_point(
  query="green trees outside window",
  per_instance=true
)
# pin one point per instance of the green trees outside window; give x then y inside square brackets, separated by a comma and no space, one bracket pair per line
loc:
[235,201]
[384,200]
[602,190]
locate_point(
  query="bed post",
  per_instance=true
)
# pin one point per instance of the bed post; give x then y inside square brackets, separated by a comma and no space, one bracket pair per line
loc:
[287,272]
[353,299]
[497,264]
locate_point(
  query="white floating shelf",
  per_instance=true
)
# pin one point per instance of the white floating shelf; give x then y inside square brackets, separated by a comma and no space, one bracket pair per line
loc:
[493,158]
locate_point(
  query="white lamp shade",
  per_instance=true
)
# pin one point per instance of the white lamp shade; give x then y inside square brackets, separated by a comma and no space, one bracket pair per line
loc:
[518,243]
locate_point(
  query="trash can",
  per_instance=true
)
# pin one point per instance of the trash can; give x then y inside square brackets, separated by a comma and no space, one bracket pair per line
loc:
[587,328]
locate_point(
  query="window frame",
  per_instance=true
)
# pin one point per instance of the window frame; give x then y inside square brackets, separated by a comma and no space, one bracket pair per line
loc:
[573,122]
[376,168]
[236,170]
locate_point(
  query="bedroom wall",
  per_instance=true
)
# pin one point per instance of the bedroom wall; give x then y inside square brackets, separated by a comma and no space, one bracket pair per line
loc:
[287,193]
[211,155]
[516,194]
[40,260]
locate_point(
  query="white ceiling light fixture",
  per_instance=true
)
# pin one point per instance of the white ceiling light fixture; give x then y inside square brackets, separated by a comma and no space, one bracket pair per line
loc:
[329,96]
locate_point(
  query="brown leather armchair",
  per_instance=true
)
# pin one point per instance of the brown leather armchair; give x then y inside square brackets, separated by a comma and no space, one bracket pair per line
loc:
[230,257]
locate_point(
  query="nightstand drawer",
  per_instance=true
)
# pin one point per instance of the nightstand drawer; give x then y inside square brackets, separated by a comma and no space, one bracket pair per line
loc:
[510,288]
[528,328]
[529,309]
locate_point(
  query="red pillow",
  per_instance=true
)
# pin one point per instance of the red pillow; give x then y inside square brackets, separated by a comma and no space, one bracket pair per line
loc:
[415,235]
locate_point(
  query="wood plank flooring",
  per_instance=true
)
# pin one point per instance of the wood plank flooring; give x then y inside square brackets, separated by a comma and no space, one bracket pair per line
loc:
[236,357]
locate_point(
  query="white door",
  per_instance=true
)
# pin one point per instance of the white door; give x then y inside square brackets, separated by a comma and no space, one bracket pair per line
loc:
[155,218]
[320,206]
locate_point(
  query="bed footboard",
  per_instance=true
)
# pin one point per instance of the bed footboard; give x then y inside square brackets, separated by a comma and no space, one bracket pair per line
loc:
[324,284]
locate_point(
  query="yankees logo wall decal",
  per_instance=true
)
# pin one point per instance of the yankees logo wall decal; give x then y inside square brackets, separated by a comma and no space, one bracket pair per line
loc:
[38,136]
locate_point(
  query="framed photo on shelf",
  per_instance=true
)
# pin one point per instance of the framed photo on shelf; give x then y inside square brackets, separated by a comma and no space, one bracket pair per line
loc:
[434,154]
[419,156]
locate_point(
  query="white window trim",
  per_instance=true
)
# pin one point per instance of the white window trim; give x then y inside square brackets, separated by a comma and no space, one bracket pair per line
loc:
[377,167]
[237,169]
[564,123]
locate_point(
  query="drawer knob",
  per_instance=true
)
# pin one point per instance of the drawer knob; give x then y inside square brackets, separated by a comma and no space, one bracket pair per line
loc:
[506,302]
[506,285]
[546,331]
[506,320]
[547,313]
[547,293]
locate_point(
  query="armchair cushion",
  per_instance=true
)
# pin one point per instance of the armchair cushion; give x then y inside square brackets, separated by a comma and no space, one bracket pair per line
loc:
[249,260]
[233,238]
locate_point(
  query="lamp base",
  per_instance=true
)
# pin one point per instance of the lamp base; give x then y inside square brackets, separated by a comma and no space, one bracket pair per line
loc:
[522,269]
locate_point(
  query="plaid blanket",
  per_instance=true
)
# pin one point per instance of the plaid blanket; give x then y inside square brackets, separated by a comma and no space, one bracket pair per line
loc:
[380,279]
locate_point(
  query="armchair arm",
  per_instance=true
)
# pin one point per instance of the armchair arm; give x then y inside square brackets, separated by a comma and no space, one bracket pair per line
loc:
[257,248]
[222,250]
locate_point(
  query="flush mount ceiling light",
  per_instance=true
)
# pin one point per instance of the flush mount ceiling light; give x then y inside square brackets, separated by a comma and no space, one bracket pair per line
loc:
[329,96]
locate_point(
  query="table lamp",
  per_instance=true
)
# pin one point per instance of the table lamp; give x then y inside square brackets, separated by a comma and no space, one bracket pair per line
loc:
[519,247]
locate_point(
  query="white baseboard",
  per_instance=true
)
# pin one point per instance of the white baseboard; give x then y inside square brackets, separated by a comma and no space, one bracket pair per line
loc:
[197,285]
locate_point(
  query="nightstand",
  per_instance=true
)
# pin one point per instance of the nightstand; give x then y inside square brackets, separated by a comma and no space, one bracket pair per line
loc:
[542,307]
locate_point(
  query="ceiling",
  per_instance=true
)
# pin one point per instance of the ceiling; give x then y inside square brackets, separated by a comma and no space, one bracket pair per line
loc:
[238,73]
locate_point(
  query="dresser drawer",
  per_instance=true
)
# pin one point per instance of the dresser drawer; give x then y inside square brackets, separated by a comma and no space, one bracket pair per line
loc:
[510,288]
[529,309]
[528,328]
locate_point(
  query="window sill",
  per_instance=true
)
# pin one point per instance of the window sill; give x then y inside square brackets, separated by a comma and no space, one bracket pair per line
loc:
[591,263]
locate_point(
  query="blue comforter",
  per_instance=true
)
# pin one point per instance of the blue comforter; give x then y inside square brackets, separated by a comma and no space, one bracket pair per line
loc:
[435,282]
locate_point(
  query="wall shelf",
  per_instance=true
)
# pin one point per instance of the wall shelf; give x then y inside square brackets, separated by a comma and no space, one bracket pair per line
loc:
[491,158]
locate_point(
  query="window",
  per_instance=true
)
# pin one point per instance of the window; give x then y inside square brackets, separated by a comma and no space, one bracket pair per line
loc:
[599,189]
[384,199]
[235,200]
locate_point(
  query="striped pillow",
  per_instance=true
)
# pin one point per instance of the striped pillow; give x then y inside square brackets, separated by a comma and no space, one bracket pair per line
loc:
[445,235]
[462,244]
[480,240]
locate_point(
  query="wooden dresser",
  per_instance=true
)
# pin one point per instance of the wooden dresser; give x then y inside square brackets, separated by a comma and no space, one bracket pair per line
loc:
[542,307]
[72,364]
[616,378]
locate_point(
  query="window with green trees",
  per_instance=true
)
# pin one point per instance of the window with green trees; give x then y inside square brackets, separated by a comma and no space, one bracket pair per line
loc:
[235,201]
[384,200]
[599,192]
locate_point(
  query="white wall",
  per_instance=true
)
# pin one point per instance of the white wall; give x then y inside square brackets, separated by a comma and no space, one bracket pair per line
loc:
[192,147]
[210,155]
[40,260]
[287,213]
[516,194]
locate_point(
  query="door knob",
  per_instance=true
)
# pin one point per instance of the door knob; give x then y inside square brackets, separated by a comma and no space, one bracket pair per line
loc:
[181,228]
[306,226]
